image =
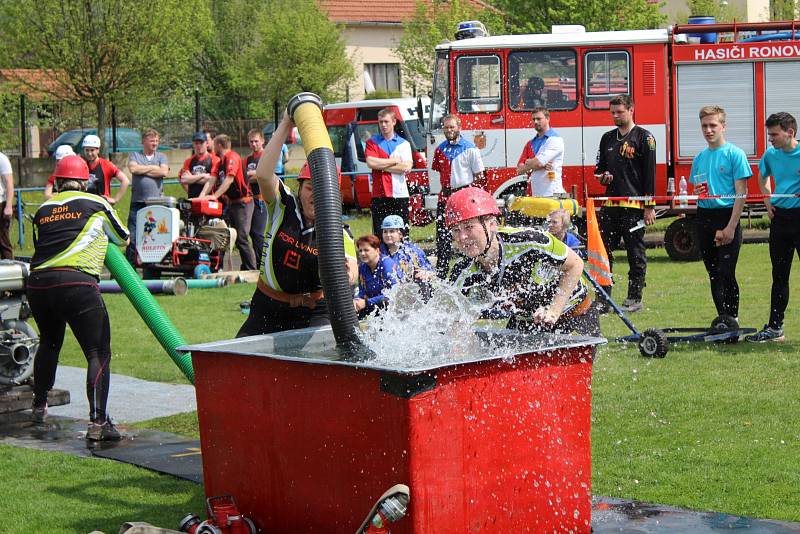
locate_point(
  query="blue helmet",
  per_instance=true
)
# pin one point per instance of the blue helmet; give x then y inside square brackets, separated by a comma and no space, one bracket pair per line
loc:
[392,222]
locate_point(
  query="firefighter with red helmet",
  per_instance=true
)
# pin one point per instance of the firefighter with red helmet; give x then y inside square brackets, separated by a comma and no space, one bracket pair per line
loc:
[531,276]
[71,233]
[288,294]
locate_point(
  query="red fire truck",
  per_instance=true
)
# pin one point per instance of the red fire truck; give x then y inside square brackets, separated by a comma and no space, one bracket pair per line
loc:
[750,69]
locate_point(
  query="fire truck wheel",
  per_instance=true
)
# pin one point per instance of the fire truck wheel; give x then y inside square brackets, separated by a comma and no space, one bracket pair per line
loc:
[653,344]
[680,240]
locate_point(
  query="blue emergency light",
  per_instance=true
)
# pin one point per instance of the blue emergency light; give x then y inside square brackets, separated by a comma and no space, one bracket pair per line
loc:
[470,29]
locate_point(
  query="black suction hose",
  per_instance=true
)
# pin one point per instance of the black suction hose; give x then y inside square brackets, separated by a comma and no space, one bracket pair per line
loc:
[305,109]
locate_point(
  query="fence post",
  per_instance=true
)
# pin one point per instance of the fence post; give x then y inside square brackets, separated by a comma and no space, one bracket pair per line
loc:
[20,226]
[197,111]
[23,126]
[113,127]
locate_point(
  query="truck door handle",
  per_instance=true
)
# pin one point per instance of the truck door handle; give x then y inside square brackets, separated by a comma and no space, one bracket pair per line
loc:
[498,120]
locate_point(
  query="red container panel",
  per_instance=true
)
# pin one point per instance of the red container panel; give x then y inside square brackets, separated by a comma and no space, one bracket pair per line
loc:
[491,446]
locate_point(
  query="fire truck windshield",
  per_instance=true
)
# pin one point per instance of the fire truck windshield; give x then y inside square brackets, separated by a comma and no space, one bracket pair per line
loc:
[441,90]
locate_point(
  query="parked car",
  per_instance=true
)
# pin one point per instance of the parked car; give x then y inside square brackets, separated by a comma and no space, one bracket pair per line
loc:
[128,140]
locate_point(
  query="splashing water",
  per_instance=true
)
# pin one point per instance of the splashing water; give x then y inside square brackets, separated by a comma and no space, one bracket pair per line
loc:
[414,331]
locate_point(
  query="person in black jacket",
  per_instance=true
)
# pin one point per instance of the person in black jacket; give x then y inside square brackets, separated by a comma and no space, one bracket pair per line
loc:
[626,165]
[73,229]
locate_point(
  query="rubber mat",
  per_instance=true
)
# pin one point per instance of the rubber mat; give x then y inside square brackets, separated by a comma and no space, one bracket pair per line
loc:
[629,517]
[180,459]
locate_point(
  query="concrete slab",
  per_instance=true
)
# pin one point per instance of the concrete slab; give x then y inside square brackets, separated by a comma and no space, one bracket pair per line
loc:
[130,399]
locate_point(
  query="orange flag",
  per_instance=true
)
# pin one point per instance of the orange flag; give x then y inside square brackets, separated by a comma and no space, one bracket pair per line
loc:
[598,266]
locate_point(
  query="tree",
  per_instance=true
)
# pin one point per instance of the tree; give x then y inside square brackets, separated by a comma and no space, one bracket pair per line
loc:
[782,9]
[721,11]
[226,62]
[268,51]
[538,16]
[301,50]
[104,50]
[433,22]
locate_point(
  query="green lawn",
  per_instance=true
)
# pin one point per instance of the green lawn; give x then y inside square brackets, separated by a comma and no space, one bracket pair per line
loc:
[59,493]
[710,427]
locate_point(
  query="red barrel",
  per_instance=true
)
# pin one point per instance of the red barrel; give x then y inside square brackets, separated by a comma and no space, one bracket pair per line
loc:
[307,445]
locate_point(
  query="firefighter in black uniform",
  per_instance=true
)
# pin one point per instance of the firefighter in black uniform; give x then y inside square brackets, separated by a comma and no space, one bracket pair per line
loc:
[72,232]
[289,291]
[626,165]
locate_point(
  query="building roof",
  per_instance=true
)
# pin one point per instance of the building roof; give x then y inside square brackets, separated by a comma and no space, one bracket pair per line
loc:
[37,84]
[378,11]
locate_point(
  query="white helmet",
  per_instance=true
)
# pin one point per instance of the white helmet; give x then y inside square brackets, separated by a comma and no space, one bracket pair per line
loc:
[91,141]
[63,151]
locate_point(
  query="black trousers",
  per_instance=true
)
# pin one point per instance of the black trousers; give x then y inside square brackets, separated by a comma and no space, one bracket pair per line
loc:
[268,316]
[6,249]
[240,215]
[257,226]
[59,298]
[721,261]
[615,224]
[381,207]
[784,242]
[444,241]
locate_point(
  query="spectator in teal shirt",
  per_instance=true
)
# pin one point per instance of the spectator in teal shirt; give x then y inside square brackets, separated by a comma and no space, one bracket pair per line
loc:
[720,169]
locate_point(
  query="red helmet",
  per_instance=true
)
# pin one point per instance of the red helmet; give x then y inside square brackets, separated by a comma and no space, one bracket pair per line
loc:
[72,167]
[305,172]
[469,203]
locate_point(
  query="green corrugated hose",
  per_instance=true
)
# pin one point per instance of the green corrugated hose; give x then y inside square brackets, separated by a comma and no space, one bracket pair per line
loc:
[149,310]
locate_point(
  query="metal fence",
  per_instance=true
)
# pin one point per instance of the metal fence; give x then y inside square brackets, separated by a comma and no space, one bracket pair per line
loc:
[28,127]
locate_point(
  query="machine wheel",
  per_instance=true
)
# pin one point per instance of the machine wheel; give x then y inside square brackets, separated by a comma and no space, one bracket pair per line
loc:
[201,270]
[653,344]
[250,525]
[680,240]
[149,273]
[19,366]
[725,322]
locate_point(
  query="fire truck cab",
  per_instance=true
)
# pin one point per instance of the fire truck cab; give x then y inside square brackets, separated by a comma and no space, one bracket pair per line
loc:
[493,83]
[350,124]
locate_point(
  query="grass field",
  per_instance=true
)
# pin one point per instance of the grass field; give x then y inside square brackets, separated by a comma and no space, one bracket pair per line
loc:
[710,427]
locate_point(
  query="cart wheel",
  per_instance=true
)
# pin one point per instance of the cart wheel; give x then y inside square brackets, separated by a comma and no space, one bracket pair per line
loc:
[200,270]
[653,344]
[723,323]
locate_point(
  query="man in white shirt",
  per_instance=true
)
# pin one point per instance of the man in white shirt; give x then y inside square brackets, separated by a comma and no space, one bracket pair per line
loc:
[543,157]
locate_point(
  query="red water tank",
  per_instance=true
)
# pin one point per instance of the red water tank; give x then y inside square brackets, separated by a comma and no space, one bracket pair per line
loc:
[307,445]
